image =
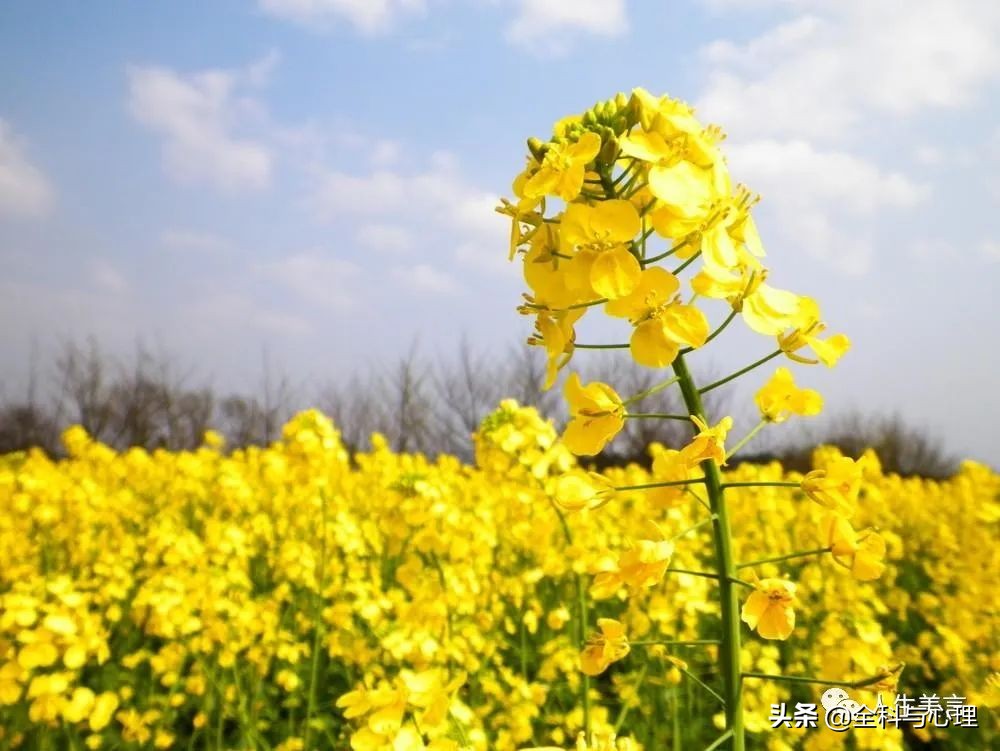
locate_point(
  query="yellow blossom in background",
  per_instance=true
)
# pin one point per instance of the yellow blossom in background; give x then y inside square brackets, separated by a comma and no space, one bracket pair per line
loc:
[768,609]
[607,646]
[641,566]
[577,490]
[836,487]
[780,398]
[597,414]
[709,443]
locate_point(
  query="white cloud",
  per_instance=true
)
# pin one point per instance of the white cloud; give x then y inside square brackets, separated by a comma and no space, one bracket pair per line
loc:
[108,278]
[826,201]
[436,205]
[367,16]
[855,185]
[197,241]
[426,279]
[232,314]
[24,189]
[384,238]
[315,277]
[929,156]
[823,72]
[200,116]
[385,152]
[547,26]
[990,250]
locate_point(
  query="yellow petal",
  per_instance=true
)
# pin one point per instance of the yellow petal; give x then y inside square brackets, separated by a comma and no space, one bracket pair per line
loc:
[683,187]
[615,273]
[651,346]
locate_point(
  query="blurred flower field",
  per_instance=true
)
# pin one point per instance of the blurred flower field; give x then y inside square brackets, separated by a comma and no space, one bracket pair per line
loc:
[294,597]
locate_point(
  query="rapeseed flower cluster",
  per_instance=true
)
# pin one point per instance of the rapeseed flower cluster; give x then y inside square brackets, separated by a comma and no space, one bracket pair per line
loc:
[290,597]
[615,196]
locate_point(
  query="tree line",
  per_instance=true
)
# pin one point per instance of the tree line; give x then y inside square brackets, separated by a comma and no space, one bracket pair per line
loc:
[420,404]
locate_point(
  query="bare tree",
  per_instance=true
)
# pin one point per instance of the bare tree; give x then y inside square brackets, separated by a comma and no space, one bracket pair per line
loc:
[409,406]
[466,390]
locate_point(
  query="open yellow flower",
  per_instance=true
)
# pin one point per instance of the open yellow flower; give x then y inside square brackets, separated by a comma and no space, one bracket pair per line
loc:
[600,235]
[662,323]
[576,490]
[610,645]
[669,465]
[556,282]
[641,566]
[597,414]
[780,398]
[806,330]
[836,486]
[555,332]
[709,443]
[563,168]
[864,556]
[768,609]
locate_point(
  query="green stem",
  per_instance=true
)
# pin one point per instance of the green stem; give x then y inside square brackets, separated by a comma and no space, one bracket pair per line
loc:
[687,263]
[650,391]
[719,741]
[655,416]
[738,373]
[581,595]
[747,438]
[675,643]
[860,683]
[600,346]
[762,485]
[581,598]
[704,685]
[650,485]
[318,636]
[789,557]
[729,650]
[702,574]
[623,713]
[665,254]
[694,527]
[719,330]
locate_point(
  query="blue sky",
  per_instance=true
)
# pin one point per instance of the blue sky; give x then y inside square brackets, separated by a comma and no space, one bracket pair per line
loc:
[317,176]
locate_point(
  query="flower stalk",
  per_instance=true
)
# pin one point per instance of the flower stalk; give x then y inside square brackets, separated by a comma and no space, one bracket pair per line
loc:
[729,650]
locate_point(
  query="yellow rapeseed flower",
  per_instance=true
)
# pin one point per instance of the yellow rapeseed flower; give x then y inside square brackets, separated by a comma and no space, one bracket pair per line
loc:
[780,398]
[597,414]
[769,610]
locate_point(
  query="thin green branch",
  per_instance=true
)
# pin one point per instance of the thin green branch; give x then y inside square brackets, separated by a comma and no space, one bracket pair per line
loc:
[738,373]
[761,485]
[719,741]
[719,330]
[581,595]
[687,263]
[860,683]
[704,685]
[650,391]
[788,557]
[692,528]
[656,416]
[702,574]
[747,438]
[600,346]
[675,643]
[623,713]
[666,254]
[651,485]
